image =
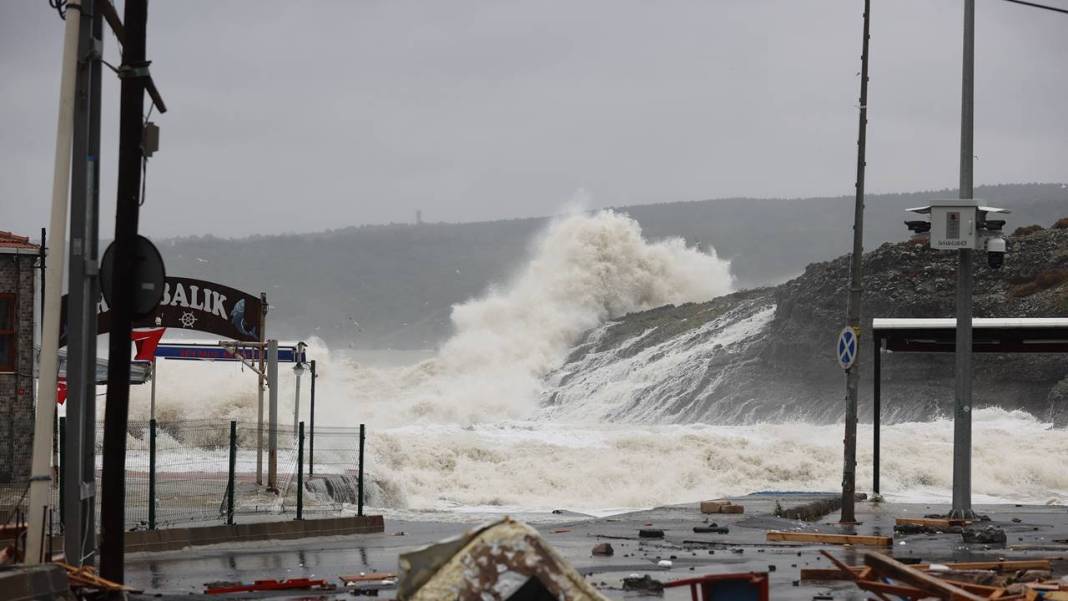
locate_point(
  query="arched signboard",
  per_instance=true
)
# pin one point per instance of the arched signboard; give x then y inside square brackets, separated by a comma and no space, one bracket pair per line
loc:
[192,304]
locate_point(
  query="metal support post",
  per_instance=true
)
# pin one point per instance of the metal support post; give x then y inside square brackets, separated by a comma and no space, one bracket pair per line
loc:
[296,398]
[152,474]
[41,473]
[62,465]
[311,433]
[272,426]
[259,390]
[856,288]
[231,480]
[962,406]
[81,297]
[300,471]
[131,131]
[877,413]
[359,483]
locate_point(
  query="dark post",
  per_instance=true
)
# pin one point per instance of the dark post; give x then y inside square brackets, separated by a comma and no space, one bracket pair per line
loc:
[300,471]
[359,483]
[62,468]
[962,405]
[151,474]
[877,411]
[311,437]
[231,481]
[116,414]
[856,281]
[79,537]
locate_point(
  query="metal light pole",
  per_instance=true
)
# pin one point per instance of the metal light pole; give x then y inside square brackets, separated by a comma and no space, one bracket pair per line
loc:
[133,75]
[272,415]
[849,470]
[962,406]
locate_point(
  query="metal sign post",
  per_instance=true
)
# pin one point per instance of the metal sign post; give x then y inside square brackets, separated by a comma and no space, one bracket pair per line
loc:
[272,436]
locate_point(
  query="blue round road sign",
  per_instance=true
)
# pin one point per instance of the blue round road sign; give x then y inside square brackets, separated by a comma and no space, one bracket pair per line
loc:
[846,348]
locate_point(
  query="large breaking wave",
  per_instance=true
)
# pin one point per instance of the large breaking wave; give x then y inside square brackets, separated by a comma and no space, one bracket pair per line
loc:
[470,427]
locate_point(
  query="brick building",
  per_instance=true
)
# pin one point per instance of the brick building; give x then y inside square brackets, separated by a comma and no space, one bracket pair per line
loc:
[18,272]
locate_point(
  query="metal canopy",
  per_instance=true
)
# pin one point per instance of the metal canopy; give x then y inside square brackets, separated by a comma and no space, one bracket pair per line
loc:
[990,335]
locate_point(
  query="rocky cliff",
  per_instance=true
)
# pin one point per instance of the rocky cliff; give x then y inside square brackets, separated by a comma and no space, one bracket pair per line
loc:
[767,354]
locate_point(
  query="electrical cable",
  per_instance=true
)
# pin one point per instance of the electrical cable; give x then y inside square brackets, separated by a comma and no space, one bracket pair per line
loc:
[1042,6]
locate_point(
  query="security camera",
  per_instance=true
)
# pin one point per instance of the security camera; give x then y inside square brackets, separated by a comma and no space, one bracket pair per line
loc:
[919,226]
[995,252]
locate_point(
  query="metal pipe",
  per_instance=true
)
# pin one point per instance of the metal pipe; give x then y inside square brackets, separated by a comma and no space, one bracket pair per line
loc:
[152,474]
[231,482]
[359,483]
[311,437]
[41,473]
[300,471]
[272,426]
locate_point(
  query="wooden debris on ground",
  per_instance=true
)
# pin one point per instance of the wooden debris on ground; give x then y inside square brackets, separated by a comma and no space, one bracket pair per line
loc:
[369,583]
[721,506]
[931,522]
[881,575]
[85,578]
[222,588]
[833,539]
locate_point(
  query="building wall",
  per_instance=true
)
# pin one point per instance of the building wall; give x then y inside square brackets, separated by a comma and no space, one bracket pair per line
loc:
[17,274]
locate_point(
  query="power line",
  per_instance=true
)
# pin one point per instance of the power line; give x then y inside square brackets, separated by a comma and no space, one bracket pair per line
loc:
[1036,5]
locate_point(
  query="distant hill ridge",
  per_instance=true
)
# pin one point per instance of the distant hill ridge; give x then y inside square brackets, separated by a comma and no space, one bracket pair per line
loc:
[392,286]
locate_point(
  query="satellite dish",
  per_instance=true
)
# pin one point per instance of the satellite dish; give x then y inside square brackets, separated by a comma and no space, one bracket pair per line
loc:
[149,276]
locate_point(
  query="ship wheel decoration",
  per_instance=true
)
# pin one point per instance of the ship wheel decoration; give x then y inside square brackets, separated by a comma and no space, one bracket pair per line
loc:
[188,319]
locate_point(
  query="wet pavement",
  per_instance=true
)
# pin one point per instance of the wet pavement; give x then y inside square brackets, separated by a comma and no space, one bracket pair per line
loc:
[1033,531]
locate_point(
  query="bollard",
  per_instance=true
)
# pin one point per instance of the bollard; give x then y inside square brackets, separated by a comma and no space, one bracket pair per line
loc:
[151,474]
[300,471]
[359,483]
[230,482]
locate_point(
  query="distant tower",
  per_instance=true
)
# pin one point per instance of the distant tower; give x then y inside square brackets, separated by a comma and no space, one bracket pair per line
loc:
[418,217]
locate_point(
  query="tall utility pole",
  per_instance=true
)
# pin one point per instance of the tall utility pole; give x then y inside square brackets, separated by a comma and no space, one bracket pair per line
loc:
[962,406]
[79,532]
[41,472]
[134,75]
[856,289]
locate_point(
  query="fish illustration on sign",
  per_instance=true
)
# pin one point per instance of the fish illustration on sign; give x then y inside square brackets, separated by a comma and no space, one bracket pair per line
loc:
[237,317]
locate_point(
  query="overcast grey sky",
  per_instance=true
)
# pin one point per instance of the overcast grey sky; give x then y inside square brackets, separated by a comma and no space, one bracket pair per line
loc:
[300,116]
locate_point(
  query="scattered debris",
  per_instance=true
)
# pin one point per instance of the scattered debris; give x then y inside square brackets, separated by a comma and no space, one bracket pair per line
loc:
[603,549]
[645,584]
[721,506]
[222,588]
[502,560]
[991,535]
[941,523]
[650,533]
[963,581]
[85,578]
[834,539]
[560,530]
[369,584]
[750,585]
[711,530]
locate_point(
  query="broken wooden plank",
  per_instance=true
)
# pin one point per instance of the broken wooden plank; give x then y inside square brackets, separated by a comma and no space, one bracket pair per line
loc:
[898,590]
[931,522]
[832,539]
[935,586]
[828,574]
